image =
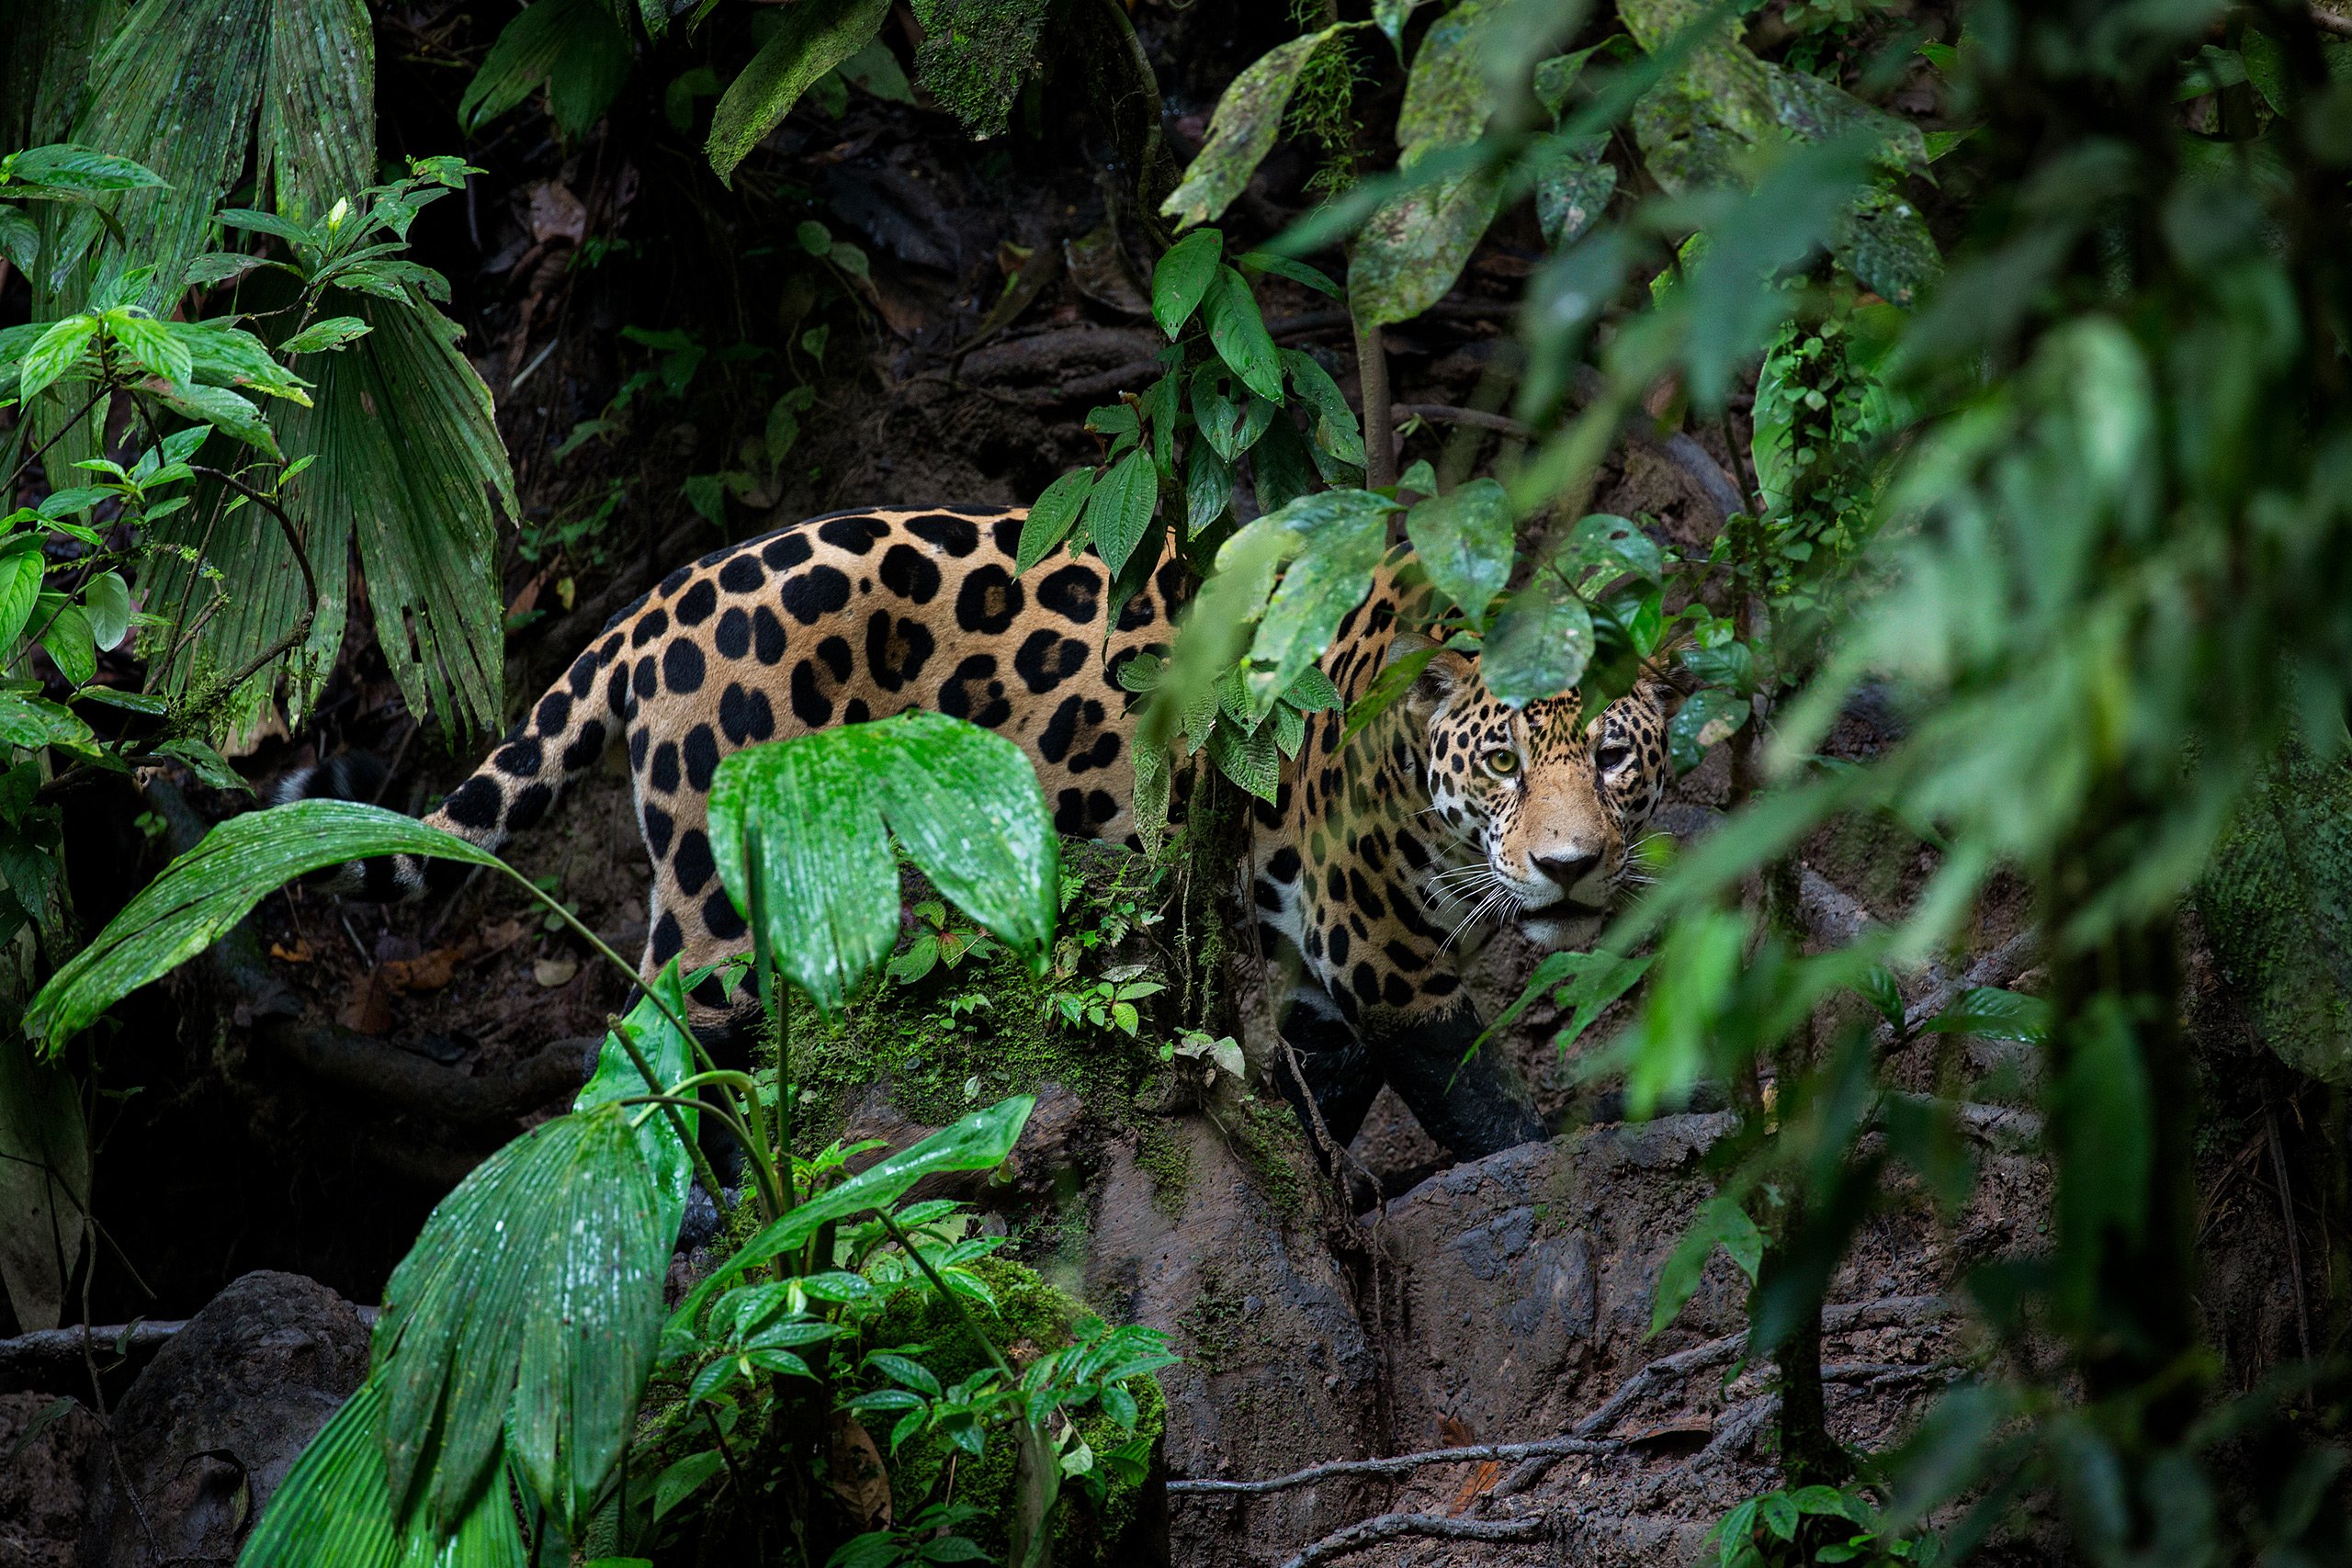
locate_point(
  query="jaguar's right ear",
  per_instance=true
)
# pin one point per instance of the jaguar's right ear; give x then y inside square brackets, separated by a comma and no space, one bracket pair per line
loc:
[1445,674]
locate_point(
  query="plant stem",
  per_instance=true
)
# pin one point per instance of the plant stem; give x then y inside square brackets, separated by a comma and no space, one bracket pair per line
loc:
[1379,417]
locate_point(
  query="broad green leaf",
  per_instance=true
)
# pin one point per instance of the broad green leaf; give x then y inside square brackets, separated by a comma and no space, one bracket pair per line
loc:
[1390,15]
[1282,464]
[1572,190]
[1296,271]
[1238,335]
[1120,508]
[332,1510]
[19,239]
[817,35]
[1241,132]
[63,166]
[573,47]
[1995,1014]
[65,633]
[1209,489]
[1464,541]
[292,232]
[964,803]
[224,356]
[105,600]
[1615,545]
[20,579]
[526,1313]
[877,70]
[150,344]
[332,332]
[1336,432]
[1048,523]
[683,1479]
[1721,1221]
[1182,277]
[58,349]
[1414,247]
[208,890]
[1446,93]
[670,1056]
[221,409]
[1539,644]
[1705,718]
[979,1142]
[1331,576]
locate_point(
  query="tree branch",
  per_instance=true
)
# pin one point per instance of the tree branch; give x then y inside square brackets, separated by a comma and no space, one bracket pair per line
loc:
[1548,1447]
[1389,1526]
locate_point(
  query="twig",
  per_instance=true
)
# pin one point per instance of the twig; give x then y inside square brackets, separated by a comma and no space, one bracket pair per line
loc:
[1389,1526]
[1379,414]
[301,628]
[1447,413]
[2287,1218]
[2329,22]
[105,387]
[1550,1448]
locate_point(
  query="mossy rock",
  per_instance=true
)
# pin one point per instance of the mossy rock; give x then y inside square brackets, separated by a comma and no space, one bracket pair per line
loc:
[2276,902]
[1032,1318]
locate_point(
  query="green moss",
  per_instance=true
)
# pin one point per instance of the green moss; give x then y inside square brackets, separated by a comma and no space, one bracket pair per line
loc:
[1214,1327]
[1032,1318]
[1165,1158]
[2276,901]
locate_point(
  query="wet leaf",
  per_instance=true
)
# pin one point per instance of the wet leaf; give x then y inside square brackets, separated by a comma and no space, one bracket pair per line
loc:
[817,35]
[1705,718]
[964,803]
[1464,541]
[1183,278]
[1241,132]
[1238,335]
[1338,549]
[1048,523]
[1539,644]
[211,887]
[1414,247]
[1120,508]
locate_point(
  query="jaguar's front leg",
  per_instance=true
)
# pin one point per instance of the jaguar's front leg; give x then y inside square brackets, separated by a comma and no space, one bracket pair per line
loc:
[1471,1102]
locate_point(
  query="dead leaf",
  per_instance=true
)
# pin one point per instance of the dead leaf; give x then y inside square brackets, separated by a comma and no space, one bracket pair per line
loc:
[298,953]
[553,972]
[368,1008]
[428,973]
[860,1483]
[1690,1432]
[1481,1481]
[1453,1432]
[1099,265]
[557,214]
[502,936]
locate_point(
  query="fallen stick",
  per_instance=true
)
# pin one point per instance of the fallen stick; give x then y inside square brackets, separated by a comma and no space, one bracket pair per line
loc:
[1389,1526]
[1552,1448]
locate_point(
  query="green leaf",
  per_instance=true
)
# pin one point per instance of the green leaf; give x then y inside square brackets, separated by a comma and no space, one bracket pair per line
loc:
[64,166]
[1120,509]
[683,1479]
[670,1056]
[1995,1014]
[205,892]
[106,600]
[1572,190]
[203,760]
[1049,520]
[1539,644]
[1241,132]
[1341,542]
[877,70]
[1415,245]
[220,408]
[287,229]
[1721,1221]
[19,239]
[150,343]
[964,803]
[1464,542]
[1779,1513]
[1209,489]
[1615,545]
[527,1313]
[1446,95]
[1238,335]
[58,349]
[1296,271]
[1336,435]
[20,579]
[332,1510]
[332,332]
[1705,718]
[573,46]
[66,633]
[1182,277]
[817,36]
[979,1142]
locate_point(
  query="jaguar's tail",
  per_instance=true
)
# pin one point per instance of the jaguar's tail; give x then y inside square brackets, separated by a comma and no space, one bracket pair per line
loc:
[565,732]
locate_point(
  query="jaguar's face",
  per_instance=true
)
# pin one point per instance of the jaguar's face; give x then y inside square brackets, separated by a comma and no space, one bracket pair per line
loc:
[1554,796]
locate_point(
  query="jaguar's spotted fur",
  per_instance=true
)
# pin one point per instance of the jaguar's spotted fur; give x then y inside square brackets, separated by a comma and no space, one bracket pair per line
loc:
[1377,860]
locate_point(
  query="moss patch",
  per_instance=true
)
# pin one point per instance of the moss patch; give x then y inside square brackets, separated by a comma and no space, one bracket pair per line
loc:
[1032,1318]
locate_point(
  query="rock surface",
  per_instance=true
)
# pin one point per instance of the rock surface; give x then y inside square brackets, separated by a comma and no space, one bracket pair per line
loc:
[212,1426]
[41,1488]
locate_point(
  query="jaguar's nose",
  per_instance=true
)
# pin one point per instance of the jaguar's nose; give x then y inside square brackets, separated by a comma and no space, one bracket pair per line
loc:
[1567,870]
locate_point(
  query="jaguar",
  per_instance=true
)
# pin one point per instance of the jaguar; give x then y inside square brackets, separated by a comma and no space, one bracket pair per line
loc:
[1382,859]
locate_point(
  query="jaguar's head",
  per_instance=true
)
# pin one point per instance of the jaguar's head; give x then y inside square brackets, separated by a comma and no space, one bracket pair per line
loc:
[1555,796]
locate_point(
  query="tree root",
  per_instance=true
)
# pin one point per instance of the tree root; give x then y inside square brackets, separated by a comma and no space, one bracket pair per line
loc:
[1400,1464]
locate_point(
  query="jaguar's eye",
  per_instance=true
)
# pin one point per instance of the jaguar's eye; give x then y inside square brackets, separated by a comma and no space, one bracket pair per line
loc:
[1611,757]
[1502,763]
